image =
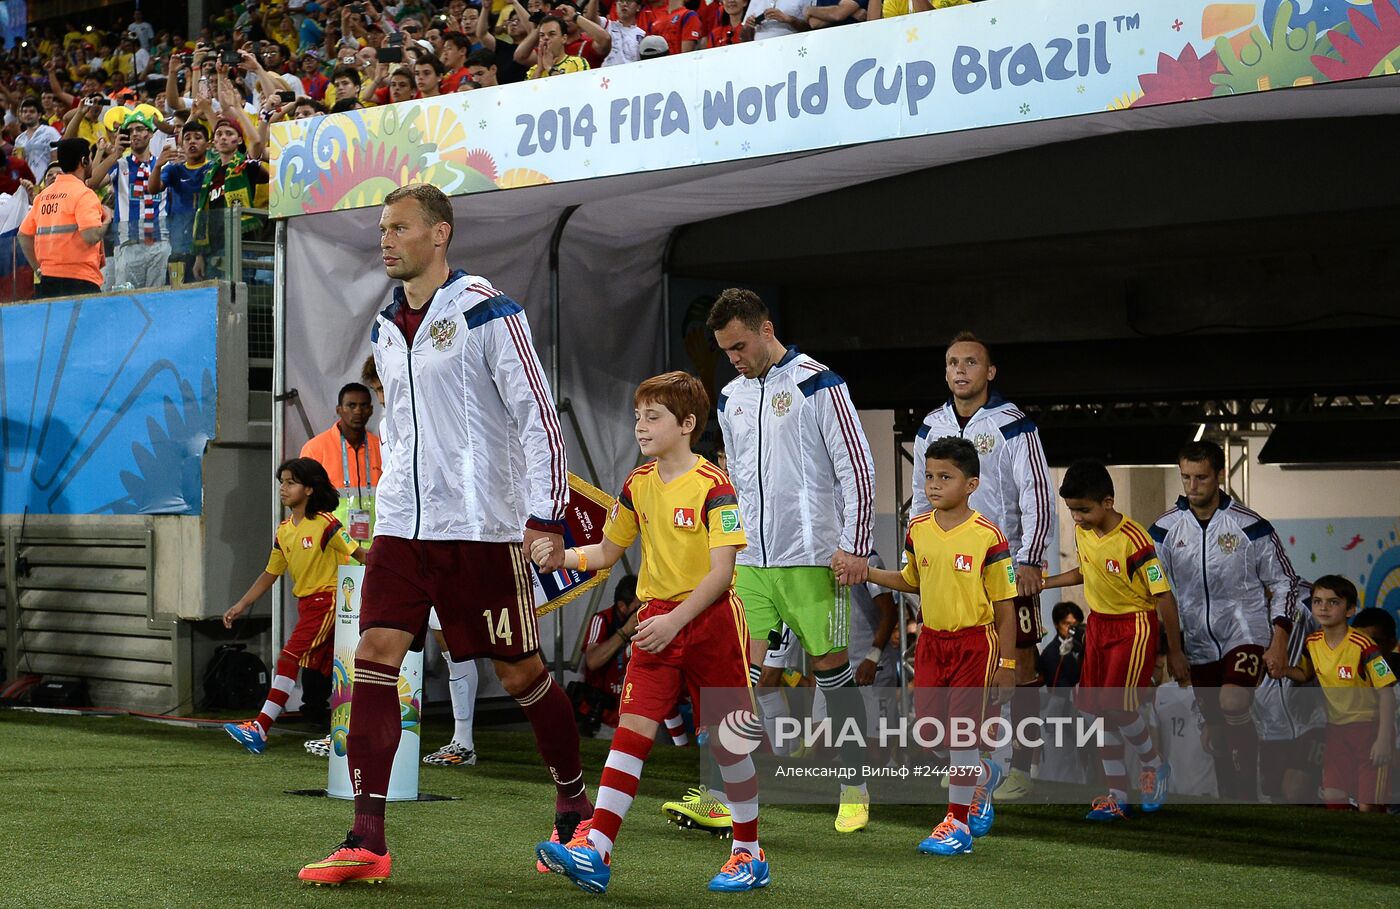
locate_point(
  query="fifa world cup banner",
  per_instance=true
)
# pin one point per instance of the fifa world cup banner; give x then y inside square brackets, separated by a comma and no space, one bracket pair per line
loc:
[986,64]
[403,778]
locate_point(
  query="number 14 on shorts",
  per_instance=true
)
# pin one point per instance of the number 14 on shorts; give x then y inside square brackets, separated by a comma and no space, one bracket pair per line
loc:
[499,627]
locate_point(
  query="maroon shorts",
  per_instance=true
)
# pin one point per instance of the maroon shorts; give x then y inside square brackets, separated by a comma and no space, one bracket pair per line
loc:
[710,652]
[483,593]
[311,643]
[1346,764]
[956,667]
[1120,652]
[1242,666]
[1030,630]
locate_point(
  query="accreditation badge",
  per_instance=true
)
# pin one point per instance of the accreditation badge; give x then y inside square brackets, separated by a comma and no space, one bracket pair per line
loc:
[359,524]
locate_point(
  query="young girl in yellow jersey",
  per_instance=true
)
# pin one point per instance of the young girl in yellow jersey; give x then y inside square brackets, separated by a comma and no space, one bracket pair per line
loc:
[308,543]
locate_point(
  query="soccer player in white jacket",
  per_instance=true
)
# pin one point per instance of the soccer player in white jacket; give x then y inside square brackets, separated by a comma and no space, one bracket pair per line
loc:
[800,463]
[1237,592]
[1015,494]
[475,465]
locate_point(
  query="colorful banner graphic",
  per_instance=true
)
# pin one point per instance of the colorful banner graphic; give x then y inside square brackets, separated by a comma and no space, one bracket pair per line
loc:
[1366,550]
[953,69]
[403,778]
[106,403]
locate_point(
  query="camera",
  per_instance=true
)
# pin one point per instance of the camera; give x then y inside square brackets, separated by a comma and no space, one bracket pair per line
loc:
[286,97]
[389,54]
[230,57]
[758,20]
[1076,634]
[187,59]
[357,8]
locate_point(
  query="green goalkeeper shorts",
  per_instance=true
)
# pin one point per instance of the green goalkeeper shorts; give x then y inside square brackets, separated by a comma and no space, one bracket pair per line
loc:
[806,598]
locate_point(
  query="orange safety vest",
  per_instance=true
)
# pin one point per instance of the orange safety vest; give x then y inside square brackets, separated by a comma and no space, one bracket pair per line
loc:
[344,464]
[56,221]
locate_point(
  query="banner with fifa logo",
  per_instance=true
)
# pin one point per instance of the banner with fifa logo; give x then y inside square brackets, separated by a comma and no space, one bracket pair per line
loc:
[986,64]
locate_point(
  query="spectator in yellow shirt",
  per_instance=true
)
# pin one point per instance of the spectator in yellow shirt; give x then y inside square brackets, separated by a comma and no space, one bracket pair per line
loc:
[553,59]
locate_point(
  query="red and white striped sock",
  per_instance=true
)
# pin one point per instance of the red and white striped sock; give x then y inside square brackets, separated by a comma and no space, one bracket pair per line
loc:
[675,725]
[618,787]
[741,795]
[1114,771]
[282,684]
[965,769]
[1136,734]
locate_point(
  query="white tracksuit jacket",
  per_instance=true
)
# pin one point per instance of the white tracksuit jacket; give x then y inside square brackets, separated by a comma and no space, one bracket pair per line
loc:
[799,460]
[1232,580]
[1283,710]
[471,440]
[1014,491]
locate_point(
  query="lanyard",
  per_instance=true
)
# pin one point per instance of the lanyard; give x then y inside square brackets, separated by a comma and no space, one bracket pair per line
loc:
[345,470]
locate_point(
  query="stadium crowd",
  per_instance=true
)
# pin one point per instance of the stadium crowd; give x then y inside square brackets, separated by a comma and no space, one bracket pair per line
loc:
[178,122]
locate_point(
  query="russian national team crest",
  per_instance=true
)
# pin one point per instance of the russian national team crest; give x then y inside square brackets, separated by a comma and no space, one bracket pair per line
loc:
[782,403]
[443,332]
[984,442]
[1228,542]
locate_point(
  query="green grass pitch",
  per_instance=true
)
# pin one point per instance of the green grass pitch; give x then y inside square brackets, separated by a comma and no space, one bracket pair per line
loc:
[120,812]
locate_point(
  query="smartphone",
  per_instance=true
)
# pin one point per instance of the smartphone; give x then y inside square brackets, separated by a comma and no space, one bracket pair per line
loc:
[348,60]
[389,54]
[396,39]
[286,97]
[230,57]
[357,8]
